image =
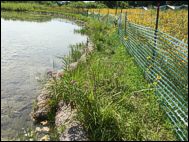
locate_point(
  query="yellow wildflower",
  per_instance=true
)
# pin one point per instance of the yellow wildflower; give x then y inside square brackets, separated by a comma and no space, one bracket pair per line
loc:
[148,58]
[158,77]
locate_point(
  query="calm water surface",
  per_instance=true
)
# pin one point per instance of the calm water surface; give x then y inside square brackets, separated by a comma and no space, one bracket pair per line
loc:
[28,50]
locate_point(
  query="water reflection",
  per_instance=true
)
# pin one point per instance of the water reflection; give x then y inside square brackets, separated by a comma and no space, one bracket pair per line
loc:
[24,16]
[29,49]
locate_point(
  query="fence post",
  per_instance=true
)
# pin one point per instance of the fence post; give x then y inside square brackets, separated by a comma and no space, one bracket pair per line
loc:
[156,30]
[108,16]
[125,21]
[116,8]
[93,13]
[154,53]
[119,23]
[99,15]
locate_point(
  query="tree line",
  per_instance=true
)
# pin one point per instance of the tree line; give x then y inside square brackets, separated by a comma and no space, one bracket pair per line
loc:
[125,4]
[108,4]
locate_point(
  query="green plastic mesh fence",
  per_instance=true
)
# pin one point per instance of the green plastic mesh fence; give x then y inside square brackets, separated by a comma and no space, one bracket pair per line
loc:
[164,60]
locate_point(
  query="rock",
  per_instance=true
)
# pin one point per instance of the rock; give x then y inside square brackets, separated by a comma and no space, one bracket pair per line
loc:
[64,114]
[38,129]
[60,74]
[49,73]
[44,122]
[45,129]
[42,107]
[53,75]
[73,129]
[45,138]
[75,132]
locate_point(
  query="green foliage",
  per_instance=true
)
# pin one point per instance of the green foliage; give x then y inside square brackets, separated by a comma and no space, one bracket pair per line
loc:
[113,100]
[12,6]
[81,4]
[27,135]
[125,4]
[76,52]
[25,16]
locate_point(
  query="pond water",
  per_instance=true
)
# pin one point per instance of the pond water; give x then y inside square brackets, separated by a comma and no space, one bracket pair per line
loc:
[28,50]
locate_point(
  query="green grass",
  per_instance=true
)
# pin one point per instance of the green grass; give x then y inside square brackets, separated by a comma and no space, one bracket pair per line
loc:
[35,12]
[11,6]
[113,100]
[36,7]
[25,16]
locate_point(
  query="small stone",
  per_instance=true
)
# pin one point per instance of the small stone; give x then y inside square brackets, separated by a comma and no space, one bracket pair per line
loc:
[49,73]
[44,122]
[45,129]
[40,112]
[45,138]
[60,74]
[38,129]
[74,132]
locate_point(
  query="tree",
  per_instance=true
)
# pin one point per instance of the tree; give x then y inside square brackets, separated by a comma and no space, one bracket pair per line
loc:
[176,3]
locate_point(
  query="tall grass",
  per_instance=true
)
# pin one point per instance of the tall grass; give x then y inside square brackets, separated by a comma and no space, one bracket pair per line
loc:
[11,6]
[113,100]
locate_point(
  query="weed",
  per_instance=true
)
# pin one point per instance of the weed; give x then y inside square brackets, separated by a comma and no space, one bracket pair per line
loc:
[113,100]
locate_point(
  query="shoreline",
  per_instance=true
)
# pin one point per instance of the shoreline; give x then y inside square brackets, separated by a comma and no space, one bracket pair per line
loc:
[58,74]
[101,94]
[64,111]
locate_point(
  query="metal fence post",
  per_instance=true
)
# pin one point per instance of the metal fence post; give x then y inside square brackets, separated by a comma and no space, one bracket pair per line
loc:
[119,23]
[154,52]
[98,14]
[108,16]
[93,13]
[125,21]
